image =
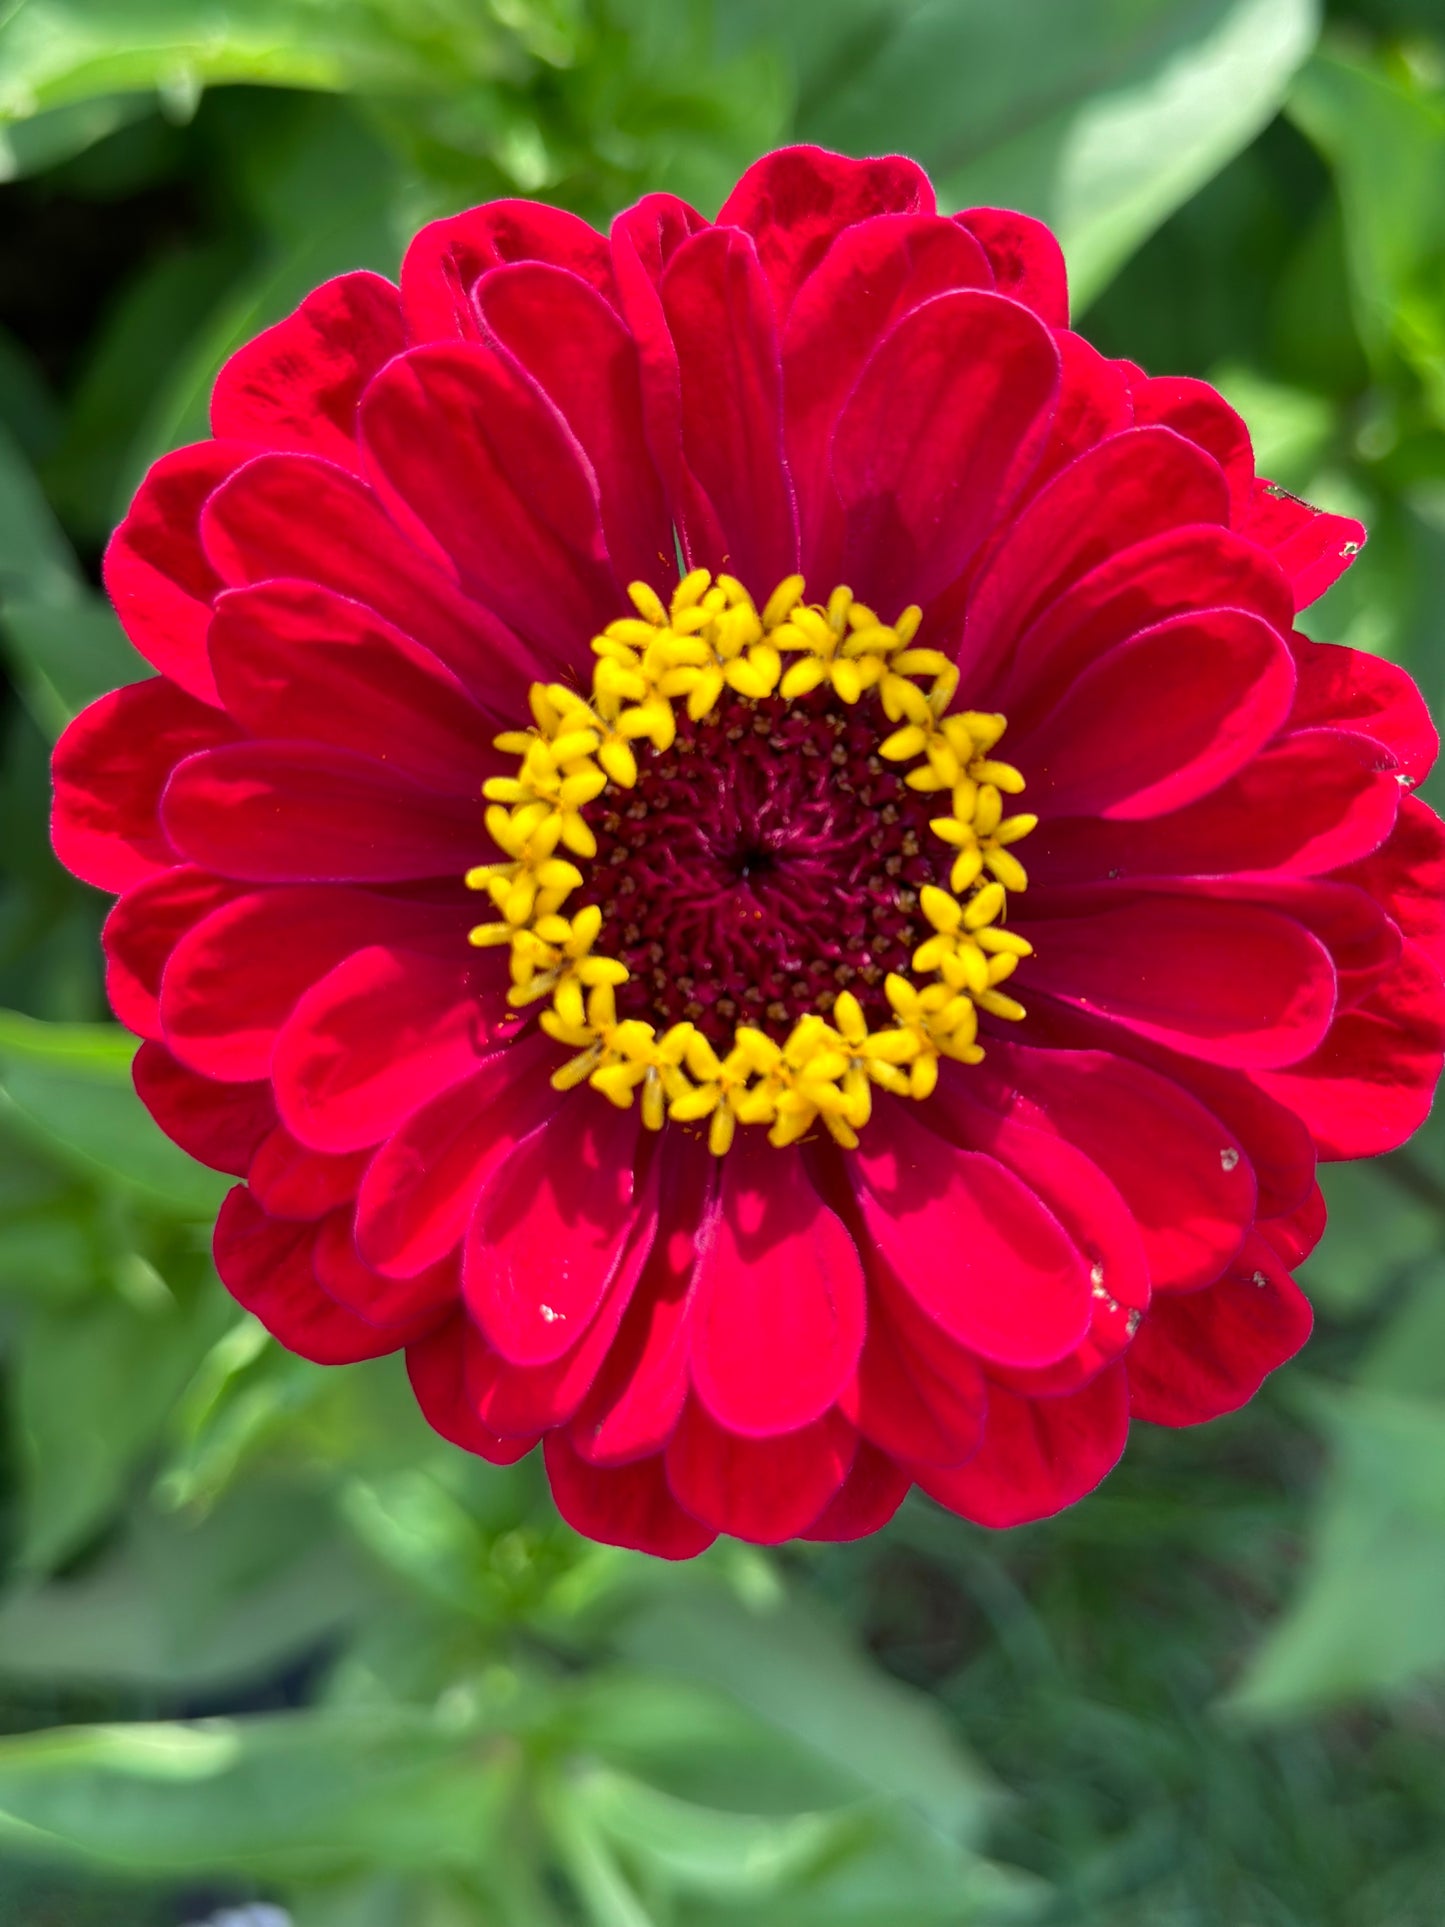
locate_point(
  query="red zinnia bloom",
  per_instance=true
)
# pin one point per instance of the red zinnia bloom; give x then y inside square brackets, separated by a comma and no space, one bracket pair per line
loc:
[779,1140]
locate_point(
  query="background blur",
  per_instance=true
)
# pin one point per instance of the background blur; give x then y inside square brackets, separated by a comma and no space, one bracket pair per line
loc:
[263,1639]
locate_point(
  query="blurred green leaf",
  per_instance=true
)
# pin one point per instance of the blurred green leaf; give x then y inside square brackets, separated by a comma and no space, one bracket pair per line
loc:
[794,1671]
[176,1606]
[305,1794]
[1386,140]
[93,1388]
[67,1086]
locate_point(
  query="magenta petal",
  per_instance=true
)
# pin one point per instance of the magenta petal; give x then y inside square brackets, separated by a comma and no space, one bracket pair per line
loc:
[765,1490]
[551,1227]
[1038,1454]
[944,425]
[974,1246]
[623,1505]
[780,1304]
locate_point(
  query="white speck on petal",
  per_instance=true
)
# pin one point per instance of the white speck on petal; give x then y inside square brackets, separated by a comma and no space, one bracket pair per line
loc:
[1229,1157]
[550,1315]
[1260,1280]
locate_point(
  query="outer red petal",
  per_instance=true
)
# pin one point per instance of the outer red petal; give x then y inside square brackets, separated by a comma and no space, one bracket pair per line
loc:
[795,202]
[156,572]
[1027,261]
[975,1247]
[434,1365]
[1349,689]
[110,768]
[764,1490]
[380,1036]
[266,1266]
[1314,549]
[1038,1454]
[446,260]
[299,384]
[944,425]
[779,1318]
[1207,1353]
[218,1124]
[143,929]
[866,1500]
[623,1505]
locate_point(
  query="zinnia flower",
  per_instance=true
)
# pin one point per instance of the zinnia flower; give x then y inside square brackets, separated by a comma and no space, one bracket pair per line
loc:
[734,838]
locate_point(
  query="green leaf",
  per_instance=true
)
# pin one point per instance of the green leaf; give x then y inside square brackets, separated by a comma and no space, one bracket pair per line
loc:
[304,1794]
[792,1669]
[65,657]
[68,1088]
[698,1849]
[94,1388]
[1099,118]
[1368,1618]
[36,563]
[1385,139]
[180,1607]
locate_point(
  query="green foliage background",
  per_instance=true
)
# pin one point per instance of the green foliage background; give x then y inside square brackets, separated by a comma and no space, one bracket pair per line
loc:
[262,1637]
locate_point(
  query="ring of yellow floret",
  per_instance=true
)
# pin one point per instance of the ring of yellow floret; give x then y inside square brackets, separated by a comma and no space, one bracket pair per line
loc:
[712,638]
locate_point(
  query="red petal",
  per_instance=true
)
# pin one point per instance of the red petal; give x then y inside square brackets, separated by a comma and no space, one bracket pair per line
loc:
[919,1397]
[379,1036]
[466,451]
[1161,719]
[1370,1083]
[1348,689]
[217,1124]
[300,813]
[1315,801]
[1038,1454]
[419,1190]
[945,422]
[1234,983]
[297,662]
[780,1304]
[434,1366]
[623,1505]
[1094,403]
[874,273]
[975,1247]
[235,977]
[1027,262]
[291,1181]
[1185,571]
[1191,1192]
[141,932]
[110,767]
[553,1223]
[156,572]
[1407,876]
[294,515]
[1208,1353]
[445,261]
[765,1490]
[1313,549]
[1127,489]
[723,327]
[866,1500]
[793,202]
[1194,409]
[642,1383]
[578,351]
[344,1276]
[644,240]
[266,1267]
[298,384]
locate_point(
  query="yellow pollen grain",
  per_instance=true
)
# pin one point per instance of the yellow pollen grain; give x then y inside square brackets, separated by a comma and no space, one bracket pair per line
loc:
[711,637]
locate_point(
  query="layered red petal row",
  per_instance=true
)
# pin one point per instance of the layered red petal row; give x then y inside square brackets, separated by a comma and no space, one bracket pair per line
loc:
[417,501]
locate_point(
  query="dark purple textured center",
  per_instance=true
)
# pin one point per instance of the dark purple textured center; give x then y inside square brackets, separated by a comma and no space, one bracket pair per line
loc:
[765,862]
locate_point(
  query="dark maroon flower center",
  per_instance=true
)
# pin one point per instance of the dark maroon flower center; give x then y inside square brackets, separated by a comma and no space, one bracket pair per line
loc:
[767,860]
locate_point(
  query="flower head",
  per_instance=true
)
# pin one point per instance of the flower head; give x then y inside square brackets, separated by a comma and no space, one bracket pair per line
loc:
[734,839]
